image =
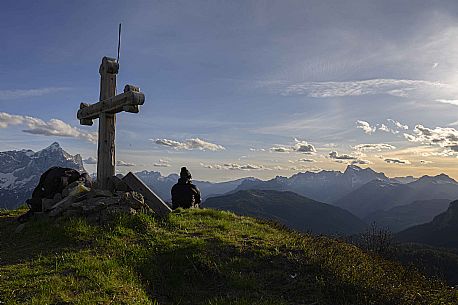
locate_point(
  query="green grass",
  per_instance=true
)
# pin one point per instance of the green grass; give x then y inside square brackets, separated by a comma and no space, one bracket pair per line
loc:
[196,257]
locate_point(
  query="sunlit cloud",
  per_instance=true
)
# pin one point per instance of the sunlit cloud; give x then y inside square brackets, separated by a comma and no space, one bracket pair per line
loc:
[365,126]
[443,137]
[396,161]
[53,127]
[374,147]
[299,146]
[451,102]
[120,163]
[336,156]
[392,126]
[235,166]
[124,164]
[348,159]
[190,144]
[305,160]
[162,163]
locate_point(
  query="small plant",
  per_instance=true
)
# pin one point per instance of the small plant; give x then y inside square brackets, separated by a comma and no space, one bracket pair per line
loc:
[378,240]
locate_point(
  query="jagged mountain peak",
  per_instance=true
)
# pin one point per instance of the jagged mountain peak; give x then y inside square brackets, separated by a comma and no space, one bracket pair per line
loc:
[354,168]
[441,178]
[54,146]
[52,149]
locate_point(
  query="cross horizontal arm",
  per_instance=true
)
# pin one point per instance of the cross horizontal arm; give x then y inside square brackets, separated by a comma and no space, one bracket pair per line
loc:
[127,101]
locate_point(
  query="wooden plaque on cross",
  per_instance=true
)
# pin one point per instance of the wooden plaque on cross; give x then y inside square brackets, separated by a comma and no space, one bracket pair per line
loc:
[105,110]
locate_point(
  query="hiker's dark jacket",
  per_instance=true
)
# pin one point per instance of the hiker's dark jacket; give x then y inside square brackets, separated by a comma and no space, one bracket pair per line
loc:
[185,194]
[53,181]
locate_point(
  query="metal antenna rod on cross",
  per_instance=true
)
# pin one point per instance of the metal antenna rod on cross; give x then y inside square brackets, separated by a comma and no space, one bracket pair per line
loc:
[105,110]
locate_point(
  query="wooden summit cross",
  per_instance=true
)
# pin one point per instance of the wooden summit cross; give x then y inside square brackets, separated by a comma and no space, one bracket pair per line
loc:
[105,110]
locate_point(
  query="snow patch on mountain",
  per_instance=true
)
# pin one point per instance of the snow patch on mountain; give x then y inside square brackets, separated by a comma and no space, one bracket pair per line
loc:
[20,171]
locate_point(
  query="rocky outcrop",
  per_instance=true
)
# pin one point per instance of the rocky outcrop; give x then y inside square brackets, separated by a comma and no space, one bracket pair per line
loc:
[98,206]
[93,204]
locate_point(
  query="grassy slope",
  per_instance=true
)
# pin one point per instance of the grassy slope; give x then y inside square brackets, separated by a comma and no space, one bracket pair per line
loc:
[195,257]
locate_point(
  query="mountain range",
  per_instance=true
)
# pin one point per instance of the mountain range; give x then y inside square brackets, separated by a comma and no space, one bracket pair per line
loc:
[382,195]
[323,186]
[370,195]
[290,209]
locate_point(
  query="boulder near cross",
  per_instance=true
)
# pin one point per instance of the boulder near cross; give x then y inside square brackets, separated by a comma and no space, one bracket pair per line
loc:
[105,110]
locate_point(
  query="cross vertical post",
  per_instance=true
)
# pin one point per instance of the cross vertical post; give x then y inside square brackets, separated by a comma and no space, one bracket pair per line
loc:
[107,123]
[105,110]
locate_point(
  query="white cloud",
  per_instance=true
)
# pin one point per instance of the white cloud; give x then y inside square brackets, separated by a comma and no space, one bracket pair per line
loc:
[123,163]
[383,127]
[443,137]
[344,158]
[304,147]
[395,87]
[451,102]
[398,124]
[289,168]
[374,147]
[210,166]
[365,126]
[90,160]
[190,144]
[235,166]
[162,163]
[305,160]
[281,149]
[446,138]
[53,127]
[361,162]
[336,156]
[395,127]
[24,93]
[299,146]
[396,161]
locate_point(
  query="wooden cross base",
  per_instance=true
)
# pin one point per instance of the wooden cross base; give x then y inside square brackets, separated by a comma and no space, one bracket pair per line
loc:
[151,199]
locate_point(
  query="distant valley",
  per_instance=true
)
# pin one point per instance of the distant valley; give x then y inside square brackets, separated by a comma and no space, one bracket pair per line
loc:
[290,209]
[442,231]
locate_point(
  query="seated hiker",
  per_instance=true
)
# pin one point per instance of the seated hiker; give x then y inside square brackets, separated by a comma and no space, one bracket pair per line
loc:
[184,193]
[52,182]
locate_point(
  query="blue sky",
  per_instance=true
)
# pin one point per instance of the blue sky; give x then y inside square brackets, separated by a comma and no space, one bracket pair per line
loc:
[240,88]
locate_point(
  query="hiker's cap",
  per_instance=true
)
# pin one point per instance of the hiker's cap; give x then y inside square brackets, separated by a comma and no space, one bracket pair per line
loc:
[184,173]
